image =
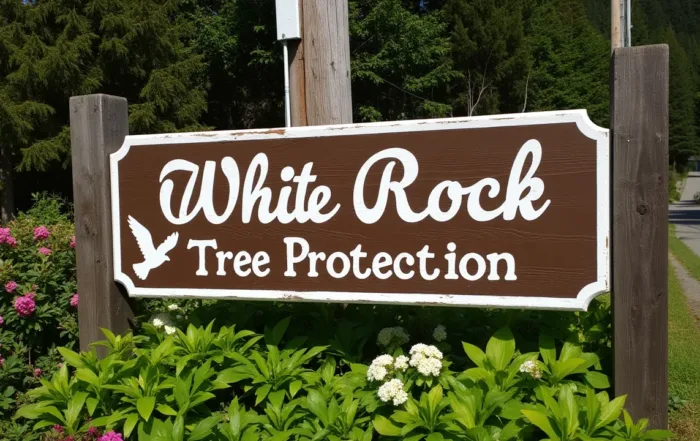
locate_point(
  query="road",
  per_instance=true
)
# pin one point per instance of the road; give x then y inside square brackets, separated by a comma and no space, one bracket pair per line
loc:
[685,214]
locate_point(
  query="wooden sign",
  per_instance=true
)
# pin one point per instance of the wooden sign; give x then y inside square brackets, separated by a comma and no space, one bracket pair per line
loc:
[505,211]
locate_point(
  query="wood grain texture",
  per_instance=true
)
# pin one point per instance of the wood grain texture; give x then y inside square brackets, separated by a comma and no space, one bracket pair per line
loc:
[325,51]
[297,77]
[640,236]
[98,124]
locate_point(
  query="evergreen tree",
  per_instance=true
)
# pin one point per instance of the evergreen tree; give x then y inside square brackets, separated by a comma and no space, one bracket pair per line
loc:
[400,61]
[571,60]
[489,51]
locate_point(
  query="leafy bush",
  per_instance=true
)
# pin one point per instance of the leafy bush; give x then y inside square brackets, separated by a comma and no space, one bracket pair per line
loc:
[223,384]
[37,283]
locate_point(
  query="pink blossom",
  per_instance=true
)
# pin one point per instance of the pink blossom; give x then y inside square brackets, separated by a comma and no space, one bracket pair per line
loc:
[2,320]
[25,306]
[92,431]
[69,438]
[111,436]
[74,300]
[31,294]
[72,242]
[11,286]
[37,372]
[11,241]
[41,233]
[58,428]
[45,251]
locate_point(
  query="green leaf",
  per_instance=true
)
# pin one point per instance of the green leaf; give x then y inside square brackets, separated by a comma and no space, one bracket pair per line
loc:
[317,406]
[261,393]
[540,420]
[658,435]
[130,423]
[204,428]
[547,349]
[73,358]
[179,428]
[385,427]
[500,349]
[611,412]
[92,403]
[75,406]
[294,387]
[145,406]
[31,411]
[88,376]
[166,410]
[475,354]
[598,380]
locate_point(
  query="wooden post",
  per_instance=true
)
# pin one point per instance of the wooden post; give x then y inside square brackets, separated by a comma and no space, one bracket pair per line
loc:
[639,112]
[98,126]
[320,65]
[615,24]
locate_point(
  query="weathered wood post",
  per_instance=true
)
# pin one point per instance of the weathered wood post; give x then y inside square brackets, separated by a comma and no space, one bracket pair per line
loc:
[639,116]
[320,65]
[98,126]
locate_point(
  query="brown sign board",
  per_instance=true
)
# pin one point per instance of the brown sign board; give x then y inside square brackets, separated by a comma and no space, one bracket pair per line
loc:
[499,211]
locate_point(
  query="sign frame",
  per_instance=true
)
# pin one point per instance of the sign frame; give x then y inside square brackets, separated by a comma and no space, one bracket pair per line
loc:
[580,117]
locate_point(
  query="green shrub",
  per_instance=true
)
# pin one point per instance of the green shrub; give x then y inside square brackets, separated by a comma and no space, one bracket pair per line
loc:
[208,384]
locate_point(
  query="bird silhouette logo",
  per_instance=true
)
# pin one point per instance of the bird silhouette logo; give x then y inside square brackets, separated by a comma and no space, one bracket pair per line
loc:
[153,257]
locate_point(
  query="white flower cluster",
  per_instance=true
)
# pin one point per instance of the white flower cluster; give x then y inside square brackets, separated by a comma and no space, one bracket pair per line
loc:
[426,359]
[530,367]
[378,369]
[440,333]
[401,363]
[173,307]
[393,391]
[392,336]
[163,320]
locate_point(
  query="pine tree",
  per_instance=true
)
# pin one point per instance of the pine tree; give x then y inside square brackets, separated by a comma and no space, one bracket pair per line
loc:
[400,61]
[489,51]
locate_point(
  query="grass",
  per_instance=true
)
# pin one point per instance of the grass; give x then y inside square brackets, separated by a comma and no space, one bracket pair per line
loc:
[684,349]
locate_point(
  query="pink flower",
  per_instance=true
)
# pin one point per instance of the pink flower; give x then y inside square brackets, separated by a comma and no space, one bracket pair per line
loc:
[11,286]
[25,306]
[31,294]
[11,241]
[4,234]
[72,242]
[2,320]
[58,428]
[74,300]
[69,438]
[111,436]
[41,233]
[92,431]
[45,251]
[37,372]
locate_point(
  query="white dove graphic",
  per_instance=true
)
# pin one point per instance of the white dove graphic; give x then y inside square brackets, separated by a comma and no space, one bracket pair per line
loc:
[153,258]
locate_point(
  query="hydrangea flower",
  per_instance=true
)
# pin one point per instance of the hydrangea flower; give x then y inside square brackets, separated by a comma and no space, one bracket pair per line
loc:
[173,307]
[401,363]
[45,251]
[41,233]
[378,369]
[11,241]
[440,333]
[25,306]
[170,329]
[6,237]
[530,367]
[392,336]
[426,359]
[72,242]
[74,300]
[111,436]
[11,286]
[31,294]
[393,391]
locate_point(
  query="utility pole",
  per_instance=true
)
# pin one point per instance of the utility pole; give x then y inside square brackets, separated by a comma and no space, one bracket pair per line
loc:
[615,24]
[320,65]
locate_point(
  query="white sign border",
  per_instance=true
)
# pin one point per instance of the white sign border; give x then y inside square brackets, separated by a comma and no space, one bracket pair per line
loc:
[580,117]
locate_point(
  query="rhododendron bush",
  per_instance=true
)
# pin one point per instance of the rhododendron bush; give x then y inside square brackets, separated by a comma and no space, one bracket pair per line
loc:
[37,281]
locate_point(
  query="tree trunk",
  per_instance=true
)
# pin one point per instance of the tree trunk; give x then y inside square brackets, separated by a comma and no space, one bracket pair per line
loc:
[7,188]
